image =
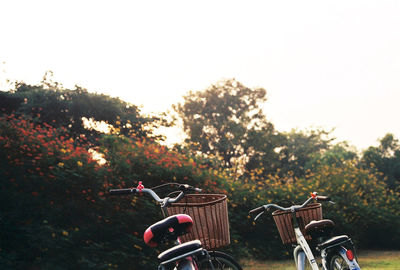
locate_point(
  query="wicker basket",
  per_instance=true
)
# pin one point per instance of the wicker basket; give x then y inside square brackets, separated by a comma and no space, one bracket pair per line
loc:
[210,216]
[283,220]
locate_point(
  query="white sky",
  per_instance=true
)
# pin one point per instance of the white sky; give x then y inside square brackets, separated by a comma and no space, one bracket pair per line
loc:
[329,64]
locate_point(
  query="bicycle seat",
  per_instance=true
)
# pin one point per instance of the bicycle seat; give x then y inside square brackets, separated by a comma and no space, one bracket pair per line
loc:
[168,228]
[319,230]
[179,250]
[320,226]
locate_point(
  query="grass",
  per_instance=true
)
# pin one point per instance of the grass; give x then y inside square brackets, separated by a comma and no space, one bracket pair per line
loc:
[368,260]
[385,260]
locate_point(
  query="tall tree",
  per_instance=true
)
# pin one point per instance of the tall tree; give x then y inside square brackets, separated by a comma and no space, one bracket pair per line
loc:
[224,120]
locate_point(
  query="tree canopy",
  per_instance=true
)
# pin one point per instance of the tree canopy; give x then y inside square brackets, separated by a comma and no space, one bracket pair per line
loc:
[78,110]
[385,159]
[299,148]
[225,120]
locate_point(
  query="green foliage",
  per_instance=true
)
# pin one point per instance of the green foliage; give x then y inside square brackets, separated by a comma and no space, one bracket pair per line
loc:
[363,210]
[55,212]
[265,146]
[298,150]
[337,155]
[50,200]
[364,207]
[385,159]
[154,164]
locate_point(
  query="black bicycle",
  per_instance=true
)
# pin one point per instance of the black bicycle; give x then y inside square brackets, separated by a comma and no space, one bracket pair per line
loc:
[183,256]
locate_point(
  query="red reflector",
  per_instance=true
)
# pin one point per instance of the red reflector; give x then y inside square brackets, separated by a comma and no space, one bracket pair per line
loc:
[350,255]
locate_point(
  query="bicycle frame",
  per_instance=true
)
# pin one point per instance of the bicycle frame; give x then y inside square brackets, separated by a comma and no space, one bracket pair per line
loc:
[302,247]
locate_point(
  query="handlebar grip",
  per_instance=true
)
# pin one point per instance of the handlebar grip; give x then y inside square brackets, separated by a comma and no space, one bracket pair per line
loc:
[257,210]
[323,198]
[122,191]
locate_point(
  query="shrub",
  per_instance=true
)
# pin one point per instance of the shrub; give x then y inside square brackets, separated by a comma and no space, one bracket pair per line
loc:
[55,211]
[364,208]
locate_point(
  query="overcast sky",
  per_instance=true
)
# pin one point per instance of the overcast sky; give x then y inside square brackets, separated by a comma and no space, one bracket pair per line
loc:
[329,64]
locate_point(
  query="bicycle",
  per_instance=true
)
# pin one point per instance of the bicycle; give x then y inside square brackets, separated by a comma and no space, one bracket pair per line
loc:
[183,256]
[336,252]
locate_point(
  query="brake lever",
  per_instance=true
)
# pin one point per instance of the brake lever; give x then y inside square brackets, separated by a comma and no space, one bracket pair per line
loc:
[259,215]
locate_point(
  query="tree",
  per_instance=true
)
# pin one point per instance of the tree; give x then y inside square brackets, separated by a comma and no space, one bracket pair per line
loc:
[73,109]
[385,159]
[299,148]
[265,155]
[9,103]
[224,120]
[337,155]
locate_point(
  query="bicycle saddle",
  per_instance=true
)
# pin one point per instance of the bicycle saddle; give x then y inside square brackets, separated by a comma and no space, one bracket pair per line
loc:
[168,228]
[318,228]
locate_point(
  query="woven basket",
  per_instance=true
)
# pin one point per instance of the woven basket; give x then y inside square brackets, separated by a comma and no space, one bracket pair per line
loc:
[210,216]
[283,220]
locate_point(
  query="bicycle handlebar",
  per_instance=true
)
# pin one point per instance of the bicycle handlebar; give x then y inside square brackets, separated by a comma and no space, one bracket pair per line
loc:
[122,191]
[164,201]
[260,210]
